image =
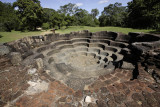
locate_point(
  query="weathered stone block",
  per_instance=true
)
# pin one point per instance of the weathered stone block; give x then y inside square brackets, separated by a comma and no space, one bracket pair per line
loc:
[39,63]
[16,58]
[4,50]
[123,38]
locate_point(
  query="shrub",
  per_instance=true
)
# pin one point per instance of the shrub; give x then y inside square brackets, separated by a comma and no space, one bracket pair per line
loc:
[45,26]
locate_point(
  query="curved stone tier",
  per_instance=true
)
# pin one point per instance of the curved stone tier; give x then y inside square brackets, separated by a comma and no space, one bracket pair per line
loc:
[81,58]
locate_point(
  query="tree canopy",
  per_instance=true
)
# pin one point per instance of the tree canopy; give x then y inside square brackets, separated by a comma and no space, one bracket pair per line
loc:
[8,17]
[144,14]
[30,13]
[94,13]
[113,15]
[68,9]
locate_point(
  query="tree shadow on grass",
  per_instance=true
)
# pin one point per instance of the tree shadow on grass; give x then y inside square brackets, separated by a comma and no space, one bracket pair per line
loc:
[1,36]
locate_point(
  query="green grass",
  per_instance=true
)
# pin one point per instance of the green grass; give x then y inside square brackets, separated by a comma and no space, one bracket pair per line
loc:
[96,29]
[14,35]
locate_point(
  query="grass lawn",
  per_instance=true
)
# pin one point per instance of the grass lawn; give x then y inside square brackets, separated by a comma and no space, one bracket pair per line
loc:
[96,29]
[14,35]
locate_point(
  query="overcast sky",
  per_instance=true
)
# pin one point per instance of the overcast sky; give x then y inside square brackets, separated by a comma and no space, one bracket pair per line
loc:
[84,4]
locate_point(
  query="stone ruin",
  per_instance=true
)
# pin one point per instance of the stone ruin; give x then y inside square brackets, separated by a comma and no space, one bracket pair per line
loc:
[79,59]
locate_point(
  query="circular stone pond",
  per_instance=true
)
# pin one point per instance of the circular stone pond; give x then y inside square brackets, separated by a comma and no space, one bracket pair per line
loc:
[79,61]
[76,59]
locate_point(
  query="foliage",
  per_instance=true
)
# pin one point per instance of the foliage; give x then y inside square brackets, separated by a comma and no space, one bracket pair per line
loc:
[48,13]
[113,15]
[96,21]
[83,18]
[77,16]
[7,17]
[68,9]
[69,20]
[80,16]
[94,13]
[45,26]
[30,13]
[144,14]
[57,20]
[48,16]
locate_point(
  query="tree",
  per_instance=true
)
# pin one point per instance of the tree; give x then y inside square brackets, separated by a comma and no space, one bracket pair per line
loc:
[103,19]
[8,17]
[48,16]
[30,13]
[113,15]
[48,13]
[94,13]
[69,20]
[80,16]
[68,9]
[77,16]
[58,20]
[80,13]
[144,14]
[83,18]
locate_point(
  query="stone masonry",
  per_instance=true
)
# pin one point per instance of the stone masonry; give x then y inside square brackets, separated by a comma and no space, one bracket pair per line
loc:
[81,69]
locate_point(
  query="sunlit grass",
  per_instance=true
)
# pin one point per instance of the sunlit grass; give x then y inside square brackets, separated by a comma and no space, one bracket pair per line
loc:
[14,35]
[95,29]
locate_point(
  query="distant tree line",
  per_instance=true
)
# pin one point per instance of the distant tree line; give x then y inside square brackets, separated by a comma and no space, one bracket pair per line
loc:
[28,15]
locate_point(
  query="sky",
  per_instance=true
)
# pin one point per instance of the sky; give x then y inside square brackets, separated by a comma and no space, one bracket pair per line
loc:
[84,4]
